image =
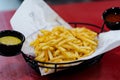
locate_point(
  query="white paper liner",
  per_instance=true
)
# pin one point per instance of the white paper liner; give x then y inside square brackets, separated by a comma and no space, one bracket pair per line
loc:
[34,15]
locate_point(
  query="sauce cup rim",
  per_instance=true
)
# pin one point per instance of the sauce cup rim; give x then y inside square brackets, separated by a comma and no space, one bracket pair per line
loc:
[13,31]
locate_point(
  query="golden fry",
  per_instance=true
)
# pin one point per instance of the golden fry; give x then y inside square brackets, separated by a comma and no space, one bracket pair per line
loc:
[50,54]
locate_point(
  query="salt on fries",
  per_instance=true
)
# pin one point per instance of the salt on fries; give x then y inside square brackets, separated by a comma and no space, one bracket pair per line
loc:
[63,45]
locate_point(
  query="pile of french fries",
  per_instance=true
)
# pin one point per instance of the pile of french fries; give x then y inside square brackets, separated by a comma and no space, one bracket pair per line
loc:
[63,45]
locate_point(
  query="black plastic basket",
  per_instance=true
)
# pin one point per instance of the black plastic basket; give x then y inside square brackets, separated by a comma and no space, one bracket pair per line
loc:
[36,64]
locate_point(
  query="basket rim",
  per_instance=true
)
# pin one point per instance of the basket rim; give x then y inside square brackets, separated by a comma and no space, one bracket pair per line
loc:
[73,61]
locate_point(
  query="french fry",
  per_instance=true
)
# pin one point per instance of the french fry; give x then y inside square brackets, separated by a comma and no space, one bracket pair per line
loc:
[40,57]
[50,54]
[46,56]
[88,40]
[61,49]
[56,53]
[57,58]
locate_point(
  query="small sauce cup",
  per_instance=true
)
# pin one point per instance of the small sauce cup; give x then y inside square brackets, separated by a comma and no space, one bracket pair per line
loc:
[111,18]
[12,48]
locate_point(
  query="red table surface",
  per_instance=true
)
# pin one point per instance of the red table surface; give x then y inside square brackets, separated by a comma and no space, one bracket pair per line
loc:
[15,68]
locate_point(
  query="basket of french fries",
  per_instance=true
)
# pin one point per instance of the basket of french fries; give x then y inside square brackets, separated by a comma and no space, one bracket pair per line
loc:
[60,48]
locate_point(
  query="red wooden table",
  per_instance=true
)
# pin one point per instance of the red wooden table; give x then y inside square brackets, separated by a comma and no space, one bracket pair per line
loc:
[15,68]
